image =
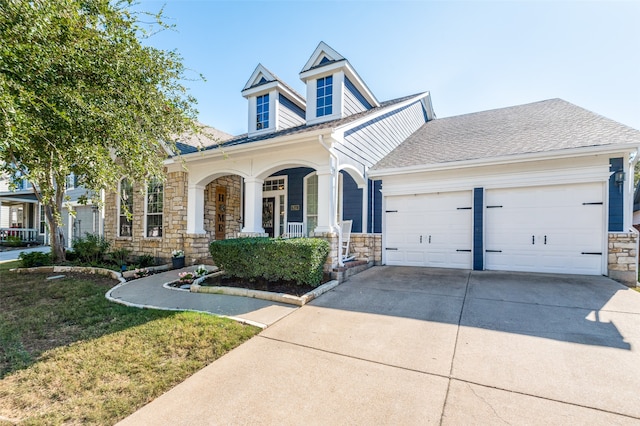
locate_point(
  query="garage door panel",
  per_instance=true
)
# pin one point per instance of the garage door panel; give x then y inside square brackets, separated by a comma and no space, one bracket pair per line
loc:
[428,229]
[545,229]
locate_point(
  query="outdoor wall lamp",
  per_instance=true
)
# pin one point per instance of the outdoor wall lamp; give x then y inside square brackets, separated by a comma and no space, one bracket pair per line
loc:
[619,177]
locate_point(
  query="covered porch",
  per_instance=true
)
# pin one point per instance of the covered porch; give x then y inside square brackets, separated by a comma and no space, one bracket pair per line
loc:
[20,218]
[283,194]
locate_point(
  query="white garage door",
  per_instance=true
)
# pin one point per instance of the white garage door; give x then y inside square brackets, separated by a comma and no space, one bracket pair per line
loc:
[429,230]
[545,229]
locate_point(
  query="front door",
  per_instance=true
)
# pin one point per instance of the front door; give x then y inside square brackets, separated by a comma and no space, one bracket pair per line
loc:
[268,215]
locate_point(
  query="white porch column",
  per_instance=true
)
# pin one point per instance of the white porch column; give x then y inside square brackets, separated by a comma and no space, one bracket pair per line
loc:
[195,209]
[253,206]
[326,201]
[69,227]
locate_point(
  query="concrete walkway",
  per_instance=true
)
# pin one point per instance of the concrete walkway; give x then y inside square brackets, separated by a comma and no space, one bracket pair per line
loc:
[11,255]
[149,292]
[429,346]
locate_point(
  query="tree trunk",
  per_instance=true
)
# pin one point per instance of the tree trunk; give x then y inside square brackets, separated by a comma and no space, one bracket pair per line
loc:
[53,214]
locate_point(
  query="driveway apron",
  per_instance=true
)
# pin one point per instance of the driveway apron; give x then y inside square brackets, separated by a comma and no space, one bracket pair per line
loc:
[399,345]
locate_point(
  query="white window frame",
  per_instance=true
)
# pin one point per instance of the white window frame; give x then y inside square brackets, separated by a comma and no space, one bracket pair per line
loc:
[119,205]
[70,182]
[146,212]
[306,204]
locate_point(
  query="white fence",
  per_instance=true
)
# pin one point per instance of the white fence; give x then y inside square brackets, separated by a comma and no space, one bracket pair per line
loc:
[23,234]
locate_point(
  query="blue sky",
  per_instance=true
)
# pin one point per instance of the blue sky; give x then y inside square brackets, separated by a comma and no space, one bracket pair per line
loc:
[471,56]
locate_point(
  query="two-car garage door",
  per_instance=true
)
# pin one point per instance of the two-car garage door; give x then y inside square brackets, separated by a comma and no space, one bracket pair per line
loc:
[557,228]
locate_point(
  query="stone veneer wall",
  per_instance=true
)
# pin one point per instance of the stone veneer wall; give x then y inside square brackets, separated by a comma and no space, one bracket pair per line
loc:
[195,246]
[623,257]
[233,214]
[367,247]
[174,221]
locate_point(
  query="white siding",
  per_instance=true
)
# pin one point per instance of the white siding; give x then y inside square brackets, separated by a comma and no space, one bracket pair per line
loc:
[351,104]
[85,221]
[4,216]
[372,141]
[288,118]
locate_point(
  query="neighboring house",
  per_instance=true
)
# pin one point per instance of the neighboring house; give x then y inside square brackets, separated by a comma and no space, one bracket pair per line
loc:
[539,187]
[21,215]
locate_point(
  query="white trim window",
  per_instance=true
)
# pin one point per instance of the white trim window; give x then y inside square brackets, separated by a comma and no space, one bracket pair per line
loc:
[262,112]
[42,229]
[154,208]
[311,202]
[125,208]
[324,96]
[70,182]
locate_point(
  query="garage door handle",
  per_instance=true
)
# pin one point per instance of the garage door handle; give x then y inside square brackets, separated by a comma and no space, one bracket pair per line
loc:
[467,251]
[391,248]
[533,239]
[545,240]
[599,253]
[493,251]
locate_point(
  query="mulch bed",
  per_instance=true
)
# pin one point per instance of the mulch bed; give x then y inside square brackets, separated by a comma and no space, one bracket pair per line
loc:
[286,287]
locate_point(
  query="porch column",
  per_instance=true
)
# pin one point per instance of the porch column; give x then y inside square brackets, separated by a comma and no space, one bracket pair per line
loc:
[253,206]
[69,227]
[195,209]
[326,202]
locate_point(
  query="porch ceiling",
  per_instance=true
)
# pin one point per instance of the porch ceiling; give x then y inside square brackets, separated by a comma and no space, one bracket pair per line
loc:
[13,198]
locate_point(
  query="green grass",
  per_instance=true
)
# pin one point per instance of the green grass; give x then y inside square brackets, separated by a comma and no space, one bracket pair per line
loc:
[67,355]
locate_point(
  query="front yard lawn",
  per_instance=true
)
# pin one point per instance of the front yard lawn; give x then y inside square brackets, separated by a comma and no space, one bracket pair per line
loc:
[67,355]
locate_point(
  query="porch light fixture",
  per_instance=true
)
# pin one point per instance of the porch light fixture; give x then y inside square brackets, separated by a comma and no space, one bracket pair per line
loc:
[619,177]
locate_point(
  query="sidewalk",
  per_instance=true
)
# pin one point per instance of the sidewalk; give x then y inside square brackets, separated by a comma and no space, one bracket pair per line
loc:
[149,292]
[11,255]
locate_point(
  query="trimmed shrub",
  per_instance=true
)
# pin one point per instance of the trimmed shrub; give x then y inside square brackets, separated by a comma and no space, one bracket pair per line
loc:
[91,249]
[299,260]
[146,260]
[33,259]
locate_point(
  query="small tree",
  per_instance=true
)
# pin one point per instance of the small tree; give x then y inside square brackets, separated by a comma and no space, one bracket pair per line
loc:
[80,93]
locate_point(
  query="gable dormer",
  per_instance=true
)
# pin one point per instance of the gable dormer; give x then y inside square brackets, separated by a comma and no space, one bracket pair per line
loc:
[273,105]
[334,89]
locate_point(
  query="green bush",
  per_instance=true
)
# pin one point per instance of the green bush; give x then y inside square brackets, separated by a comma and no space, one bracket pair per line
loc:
[146,260]
[299,260]
[35,258]
[13,241]
[91,249]
[120,256]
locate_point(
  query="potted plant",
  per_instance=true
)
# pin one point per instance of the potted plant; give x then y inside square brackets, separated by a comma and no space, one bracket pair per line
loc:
[177,259]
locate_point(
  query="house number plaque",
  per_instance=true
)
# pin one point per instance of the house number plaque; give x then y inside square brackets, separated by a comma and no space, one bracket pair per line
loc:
[221,208]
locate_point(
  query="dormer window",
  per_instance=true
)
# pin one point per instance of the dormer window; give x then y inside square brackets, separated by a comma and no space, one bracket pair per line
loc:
[324,96]
[262,112]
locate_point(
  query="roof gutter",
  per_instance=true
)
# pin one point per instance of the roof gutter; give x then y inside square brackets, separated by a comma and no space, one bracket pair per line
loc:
[507,159]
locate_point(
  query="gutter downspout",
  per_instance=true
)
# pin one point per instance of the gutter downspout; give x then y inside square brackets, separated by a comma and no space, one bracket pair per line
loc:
[334,204]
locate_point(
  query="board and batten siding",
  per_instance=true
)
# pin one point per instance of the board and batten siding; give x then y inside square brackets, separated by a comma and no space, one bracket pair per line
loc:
[289,114]
[369,142]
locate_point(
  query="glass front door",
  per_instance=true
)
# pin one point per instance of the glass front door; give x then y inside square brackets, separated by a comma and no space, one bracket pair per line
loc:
[268,215]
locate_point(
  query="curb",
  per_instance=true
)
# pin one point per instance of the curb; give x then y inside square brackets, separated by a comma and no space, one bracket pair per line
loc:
[80,269]
[266,295]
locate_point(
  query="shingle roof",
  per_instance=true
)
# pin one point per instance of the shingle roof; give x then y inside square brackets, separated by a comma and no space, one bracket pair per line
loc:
[209,137]
[244,139]
[544,126]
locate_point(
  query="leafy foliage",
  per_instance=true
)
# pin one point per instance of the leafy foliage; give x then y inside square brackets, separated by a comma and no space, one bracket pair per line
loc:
[91,249]
[300,259]
[80,93]
[146,260]
[33,259]
[120,256]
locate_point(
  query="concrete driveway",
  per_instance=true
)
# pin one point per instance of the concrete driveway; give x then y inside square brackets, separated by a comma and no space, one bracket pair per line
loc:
[397,345]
